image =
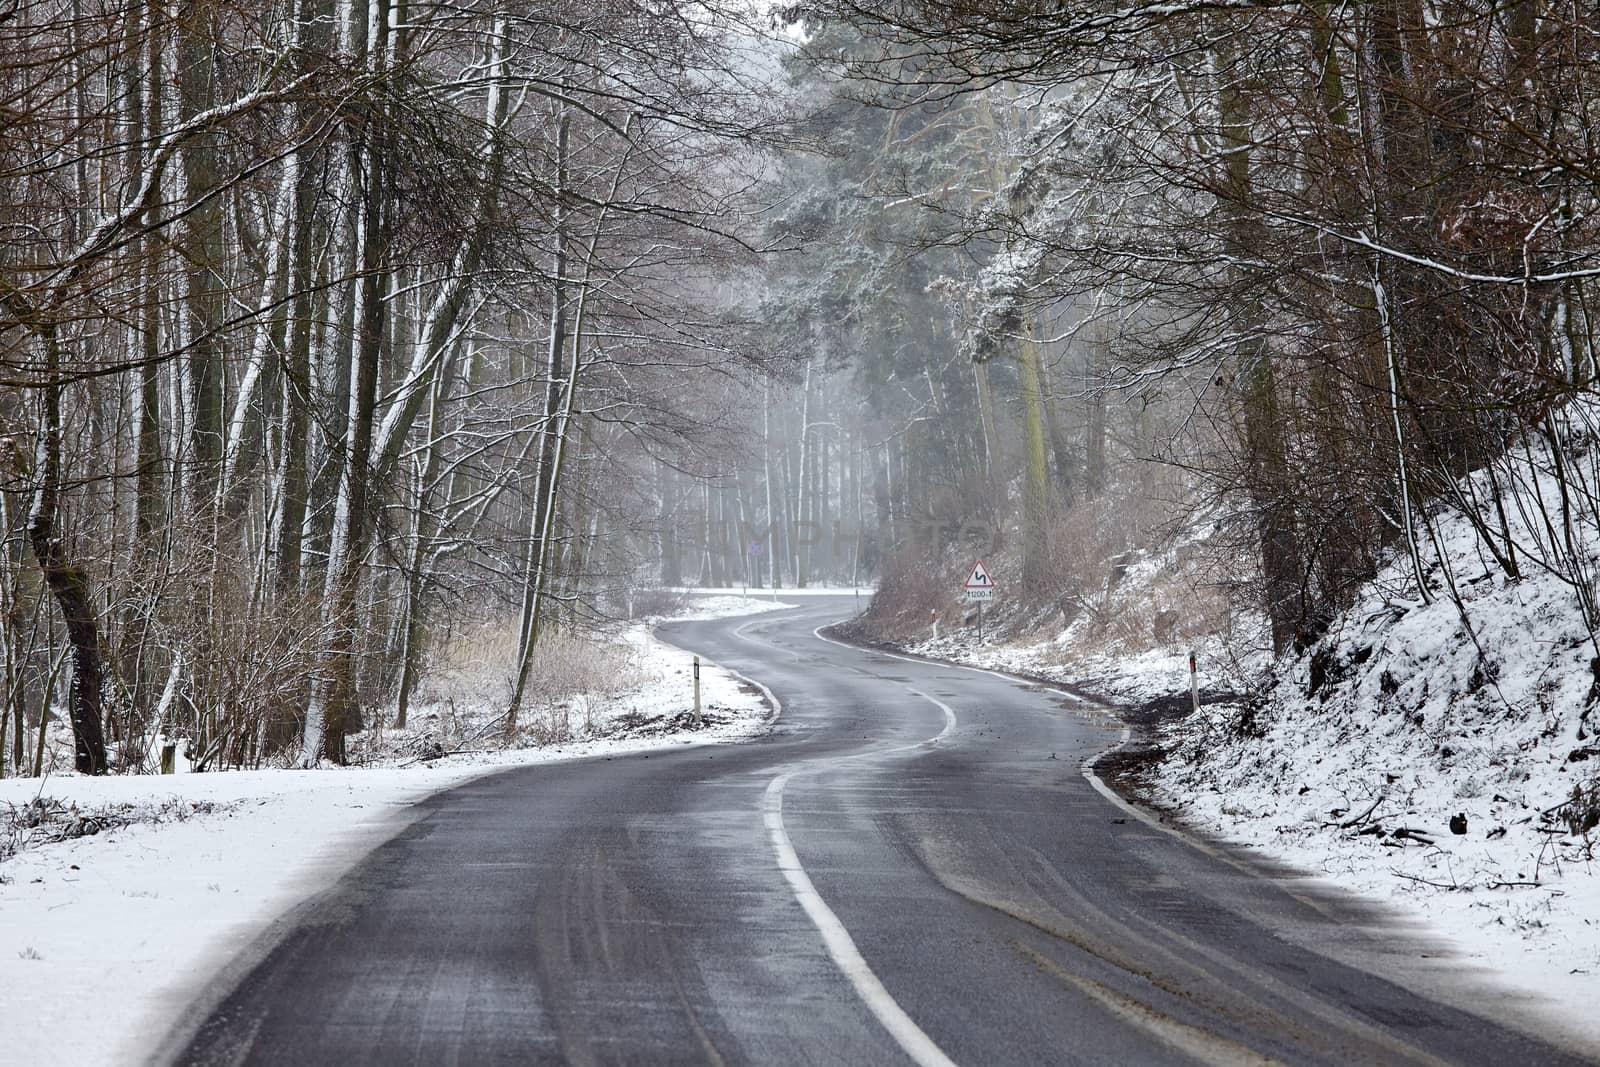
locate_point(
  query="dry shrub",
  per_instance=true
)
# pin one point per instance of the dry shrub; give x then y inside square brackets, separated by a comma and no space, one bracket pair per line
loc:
[1126,571]
[1122,576]
[471,666]
[566,664]
[656,600]
[550,724]
[248,683]
[1094,542]
[1581,811]
[236,666]
[556,722]
[474,668]
[47,820]
[910,587]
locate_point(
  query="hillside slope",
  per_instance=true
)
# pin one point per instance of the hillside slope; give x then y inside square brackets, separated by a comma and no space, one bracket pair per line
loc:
[1440,750]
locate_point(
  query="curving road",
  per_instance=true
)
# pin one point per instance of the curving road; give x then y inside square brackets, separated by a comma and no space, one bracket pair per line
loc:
[912,867]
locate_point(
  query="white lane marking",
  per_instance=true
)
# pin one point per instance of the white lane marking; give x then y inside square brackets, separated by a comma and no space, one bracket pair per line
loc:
[1003,676]
[835,938]
[1094,779]
[949,716]
[1116,798]
[741,635]
[906,1033]
[772,698]
[821,915]
[1087,766]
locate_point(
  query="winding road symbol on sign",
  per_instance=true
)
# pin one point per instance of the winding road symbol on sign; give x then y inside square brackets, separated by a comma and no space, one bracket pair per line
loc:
[980,584]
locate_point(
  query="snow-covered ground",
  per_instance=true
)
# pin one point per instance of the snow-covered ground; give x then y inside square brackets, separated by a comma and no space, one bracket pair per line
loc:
[728,603]
[1434,756]
[1356,757]
[120,896]
[789,593]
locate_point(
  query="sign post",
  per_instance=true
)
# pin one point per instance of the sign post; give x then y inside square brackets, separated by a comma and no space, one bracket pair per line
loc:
[979,589]
[1194,682]
[697,690]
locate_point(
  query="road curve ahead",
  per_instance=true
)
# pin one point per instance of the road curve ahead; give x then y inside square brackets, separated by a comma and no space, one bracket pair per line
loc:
[911,868]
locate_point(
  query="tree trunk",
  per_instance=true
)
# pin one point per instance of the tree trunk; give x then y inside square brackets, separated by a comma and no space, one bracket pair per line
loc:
[149,502]
[772,546]
[1266,452]
[559,429]
[293,481]
[1094,470]
[333,710]
[67,583]
[802,532]
[670,572]
[205,254]
[555,356]
[418,578]
[1035,476]
[1060,445]
[243,447]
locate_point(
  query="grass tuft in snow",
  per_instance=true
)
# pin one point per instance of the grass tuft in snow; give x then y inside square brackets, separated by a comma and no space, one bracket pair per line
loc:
[46,820]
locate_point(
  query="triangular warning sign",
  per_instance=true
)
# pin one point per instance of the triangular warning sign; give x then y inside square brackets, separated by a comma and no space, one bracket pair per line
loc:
[979,579]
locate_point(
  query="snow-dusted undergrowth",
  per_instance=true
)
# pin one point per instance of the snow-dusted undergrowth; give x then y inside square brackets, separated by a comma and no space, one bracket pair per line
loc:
[125,892]
[1128,640]
[584,688]
[1440,752]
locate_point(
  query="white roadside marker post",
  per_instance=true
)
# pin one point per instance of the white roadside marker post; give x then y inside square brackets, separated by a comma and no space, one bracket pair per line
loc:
[697,690]
[1194,682]
[933,618]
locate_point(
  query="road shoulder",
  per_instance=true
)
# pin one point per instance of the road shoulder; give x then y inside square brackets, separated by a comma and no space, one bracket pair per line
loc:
[1478,965]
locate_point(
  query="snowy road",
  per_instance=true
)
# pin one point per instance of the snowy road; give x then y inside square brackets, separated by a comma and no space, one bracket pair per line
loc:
[911,868]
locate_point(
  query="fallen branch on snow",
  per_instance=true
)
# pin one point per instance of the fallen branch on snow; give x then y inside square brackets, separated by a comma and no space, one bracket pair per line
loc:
[1364,816]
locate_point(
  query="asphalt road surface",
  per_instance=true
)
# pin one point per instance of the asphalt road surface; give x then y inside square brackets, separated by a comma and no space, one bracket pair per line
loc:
[912,867]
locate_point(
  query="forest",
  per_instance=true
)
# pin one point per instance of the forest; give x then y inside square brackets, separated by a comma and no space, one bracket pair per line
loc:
[326,329]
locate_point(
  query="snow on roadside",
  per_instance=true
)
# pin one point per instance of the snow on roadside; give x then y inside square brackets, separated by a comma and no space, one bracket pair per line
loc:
[105,938]
[1360,753]
[754,596]
[728,603]
[1126,638]
[1437,763]
[1129,677]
